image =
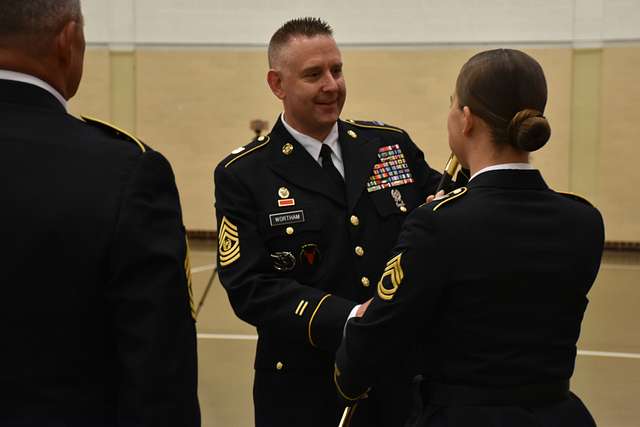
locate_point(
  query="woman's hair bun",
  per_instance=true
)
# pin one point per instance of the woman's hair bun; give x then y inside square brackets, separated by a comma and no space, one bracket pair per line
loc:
[529,130]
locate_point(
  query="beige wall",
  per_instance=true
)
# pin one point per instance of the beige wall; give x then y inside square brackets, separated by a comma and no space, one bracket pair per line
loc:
[194,105]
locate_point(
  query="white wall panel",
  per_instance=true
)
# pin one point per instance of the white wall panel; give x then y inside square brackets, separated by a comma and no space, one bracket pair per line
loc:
[621,19]
[366,22]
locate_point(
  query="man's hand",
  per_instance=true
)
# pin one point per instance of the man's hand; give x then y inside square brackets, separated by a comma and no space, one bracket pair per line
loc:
[436,196]
[363,307]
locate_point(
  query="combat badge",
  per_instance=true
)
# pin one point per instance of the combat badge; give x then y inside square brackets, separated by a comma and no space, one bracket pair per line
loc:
[391,278]
[283,261]
[228,243]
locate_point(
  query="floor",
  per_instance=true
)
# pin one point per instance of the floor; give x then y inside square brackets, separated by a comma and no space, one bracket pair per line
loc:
[607,374]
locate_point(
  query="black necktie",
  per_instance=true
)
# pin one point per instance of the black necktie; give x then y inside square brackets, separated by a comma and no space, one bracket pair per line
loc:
[330,169]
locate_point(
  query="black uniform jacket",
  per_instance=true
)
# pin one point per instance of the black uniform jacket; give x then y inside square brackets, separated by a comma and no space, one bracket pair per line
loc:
[507,314]
[294,256]
[95,318]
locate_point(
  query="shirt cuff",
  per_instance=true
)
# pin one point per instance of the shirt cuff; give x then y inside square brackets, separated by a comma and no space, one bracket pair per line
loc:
[352,314]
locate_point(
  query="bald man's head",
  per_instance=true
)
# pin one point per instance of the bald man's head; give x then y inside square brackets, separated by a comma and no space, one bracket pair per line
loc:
[299,27]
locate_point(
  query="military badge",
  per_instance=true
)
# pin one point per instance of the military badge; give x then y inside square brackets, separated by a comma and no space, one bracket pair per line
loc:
[228,243]
[391,170]
[391,278]
[283,261]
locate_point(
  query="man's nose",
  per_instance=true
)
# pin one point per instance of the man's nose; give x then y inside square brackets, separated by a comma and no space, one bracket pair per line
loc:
[329,83]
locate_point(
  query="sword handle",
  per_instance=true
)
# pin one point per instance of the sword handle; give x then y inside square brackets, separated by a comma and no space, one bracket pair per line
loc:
[447,176]
[347,414]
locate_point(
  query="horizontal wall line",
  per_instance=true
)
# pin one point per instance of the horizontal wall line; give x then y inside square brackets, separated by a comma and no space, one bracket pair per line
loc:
[376,46]
[243,337]
[614,245]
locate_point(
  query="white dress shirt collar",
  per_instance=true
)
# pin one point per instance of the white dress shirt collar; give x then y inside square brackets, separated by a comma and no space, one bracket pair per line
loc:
[503,166]
[313,146]
[27,78]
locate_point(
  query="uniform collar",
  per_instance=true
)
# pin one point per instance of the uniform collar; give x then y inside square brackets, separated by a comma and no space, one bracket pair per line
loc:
[520,179]
[503,166]
[32,80]
[313,145]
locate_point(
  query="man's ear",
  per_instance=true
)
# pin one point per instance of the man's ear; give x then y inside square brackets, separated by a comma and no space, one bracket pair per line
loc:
[63,43]
[274,79]
[467,121]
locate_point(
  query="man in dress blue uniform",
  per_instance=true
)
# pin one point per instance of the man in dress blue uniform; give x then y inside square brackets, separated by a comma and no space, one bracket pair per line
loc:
[95,316]
[306,217]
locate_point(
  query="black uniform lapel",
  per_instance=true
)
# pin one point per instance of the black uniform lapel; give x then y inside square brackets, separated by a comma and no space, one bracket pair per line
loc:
[298,167]
[359,155]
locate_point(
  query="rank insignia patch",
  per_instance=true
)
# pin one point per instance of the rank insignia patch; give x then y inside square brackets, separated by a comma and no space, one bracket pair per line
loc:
[391,170]
[228,243]
[391,278]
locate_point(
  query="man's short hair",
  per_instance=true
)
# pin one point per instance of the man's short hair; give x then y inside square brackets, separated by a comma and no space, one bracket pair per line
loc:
[35,19]
[306,27]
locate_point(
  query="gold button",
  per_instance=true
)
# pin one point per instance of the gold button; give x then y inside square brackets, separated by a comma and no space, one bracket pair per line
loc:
[289,231]
[261,138]
[279,366]
[365,282]
[403,208]
[352,134]
[355,221]
[359,250]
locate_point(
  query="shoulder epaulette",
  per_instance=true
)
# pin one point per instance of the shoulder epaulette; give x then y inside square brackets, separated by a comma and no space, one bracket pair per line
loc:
[575,196]
[240,152]
[453,195]
[115,131]
[374,125]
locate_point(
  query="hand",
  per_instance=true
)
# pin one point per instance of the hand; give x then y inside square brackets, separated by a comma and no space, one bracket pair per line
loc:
[436,196]
[363,308]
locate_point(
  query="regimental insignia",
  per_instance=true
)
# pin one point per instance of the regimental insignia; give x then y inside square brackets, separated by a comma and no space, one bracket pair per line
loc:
[391,278]
[283,261]
[309,254]
[352,134]
[287,149]
[283,192]
[391,170]
[187,270]
[228,243]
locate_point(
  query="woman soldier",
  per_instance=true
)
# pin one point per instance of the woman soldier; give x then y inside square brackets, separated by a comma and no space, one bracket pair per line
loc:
[498,330]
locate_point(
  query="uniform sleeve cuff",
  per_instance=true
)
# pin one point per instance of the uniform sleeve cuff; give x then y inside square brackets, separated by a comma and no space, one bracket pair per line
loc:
[327,322]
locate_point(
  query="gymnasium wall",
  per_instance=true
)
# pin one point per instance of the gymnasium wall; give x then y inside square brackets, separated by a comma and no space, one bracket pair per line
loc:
[187,76]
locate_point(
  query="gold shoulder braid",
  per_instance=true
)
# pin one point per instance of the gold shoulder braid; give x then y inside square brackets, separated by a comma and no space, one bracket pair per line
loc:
[458,192]
[116,131]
